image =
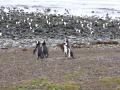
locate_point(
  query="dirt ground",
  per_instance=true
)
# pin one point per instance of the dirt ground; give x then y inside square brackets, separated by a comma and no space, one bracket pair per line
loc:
[100,67]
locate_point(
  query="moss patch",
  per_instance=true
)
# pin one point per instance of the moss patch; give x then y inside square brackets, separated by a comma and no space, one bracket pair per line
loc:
[74,74]
[38,83]
[115,80]
[117,88]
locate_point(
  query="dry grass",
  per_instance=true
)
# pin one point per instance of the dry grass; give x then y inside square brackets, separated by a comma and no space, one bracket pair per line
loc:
[105,43]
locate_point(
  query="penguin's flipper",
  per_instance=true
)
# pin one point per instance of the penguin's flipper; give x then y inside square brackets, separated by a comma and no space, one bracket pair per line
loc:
[72,54]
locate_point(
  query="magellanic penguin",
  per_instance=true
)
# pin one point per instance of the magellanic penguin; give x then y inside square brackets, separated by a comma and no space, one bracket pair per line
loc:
[38,48]
[70,54]
[45,49]
[67,49]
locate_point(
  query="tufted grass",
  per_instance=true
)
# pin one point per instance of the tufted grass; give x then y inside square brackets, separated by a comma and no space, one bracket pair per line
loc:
[99,68]
[71,85]
[74,74]
[110,81]
[117,79]
[117,88]
[22,85]
[44,82]
[106,79]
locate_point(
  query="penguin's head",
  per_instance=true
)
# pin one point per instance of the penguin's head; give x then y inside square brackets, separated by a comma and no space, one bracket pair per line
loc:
[44,42]
[37,42]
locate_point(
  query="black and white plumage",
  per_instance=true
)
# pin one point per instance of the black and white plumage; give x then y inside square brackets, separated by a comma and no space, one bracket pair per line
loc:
[42,50]
[65,49]
[68,50]
[38,48]
[0,34]
[45,49]
[70,53]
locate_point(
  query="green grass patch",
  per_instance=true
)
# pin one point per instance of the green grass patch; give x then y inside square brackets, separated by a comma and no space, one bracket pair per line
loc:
[72,85]
[100,68]
[106,79]
[117,88]
[114,80]
[117,79]
[74,74]
[25,83]
[44,82]
[52,86]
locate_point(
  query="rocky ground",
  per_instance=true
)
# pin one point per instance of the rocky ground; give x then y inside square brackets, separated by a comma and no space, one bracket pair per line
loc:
[19,28]
[95,42]
[94,68]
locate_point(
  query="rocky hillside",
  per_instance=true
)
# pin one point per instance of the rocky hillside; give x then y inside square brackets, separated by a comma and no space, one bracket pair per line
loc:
[19,28]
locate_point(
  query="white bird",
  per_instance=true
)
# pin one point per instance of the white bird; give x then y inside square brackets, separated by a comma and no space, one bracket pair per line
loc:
[46,17]
[0,34]
[30,28]
[78,30]
[31,20]
[105,25]
[24,21]
[33,30]
[36,25]
[7,26]
[48,22]
[62,20]
[28,19]
[2,18]
[10,18]
[82,25]
[29,23]
[91,31]
[65,23]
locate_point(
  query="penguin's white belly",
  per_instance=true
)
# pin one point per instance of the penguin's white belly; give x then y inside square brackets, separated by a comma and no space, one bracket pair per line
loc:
[69,53]
[65,50]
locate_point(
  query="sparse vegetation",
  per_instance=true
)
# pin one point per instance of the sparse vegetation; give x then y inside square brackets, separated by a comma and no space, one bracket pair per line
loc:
[106,79]
[114,80]
[43,82]
[117,88]
[72,85]
[74,74]
[117,79]
[24,84]
[99,68]
[92,68]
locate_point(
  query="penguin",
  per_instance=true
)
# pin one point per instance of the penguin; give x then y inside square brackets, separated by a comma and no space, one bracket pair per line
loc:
[70,54]
[38,48]
[67,49]
[45,49]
